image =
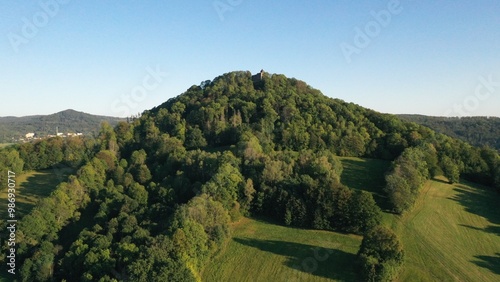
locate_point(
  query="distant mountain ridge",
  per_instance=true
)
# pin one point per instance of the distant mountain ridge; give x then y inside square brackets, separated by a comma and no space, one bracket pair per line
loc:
[12,128]
[478,131]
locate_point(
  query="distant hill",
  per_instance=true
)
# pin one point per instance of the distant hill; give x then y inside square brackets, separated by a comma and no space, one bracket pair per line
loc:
[478,131]
[42,125]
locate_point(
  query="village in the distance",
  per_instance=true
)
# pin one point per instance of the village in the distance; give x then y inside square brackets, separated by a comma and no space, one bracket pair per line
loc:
[30,136]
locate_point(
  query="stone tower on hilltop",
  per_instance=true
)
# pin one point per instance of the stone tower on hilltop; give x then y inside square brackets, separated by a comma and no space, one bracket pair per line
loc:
[258,77]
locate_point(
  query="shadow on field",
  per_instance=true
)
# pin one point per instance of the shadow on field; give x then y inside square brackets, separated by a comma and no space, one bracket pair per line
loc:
[490,229]
[481,201]
[40,186]
[367,175]
[490,262]
[438,179]
[322,262]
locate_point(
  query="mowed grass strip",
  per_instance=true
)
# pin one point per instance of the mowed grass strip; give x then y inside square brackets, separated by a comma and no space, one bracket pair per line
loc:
[263,251]
[33,186]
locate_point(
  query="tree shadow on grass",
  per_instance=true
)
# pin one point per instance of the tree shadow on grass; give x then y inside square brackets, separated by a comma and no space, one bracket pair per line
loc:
[490,229]
[367,175]
[39,186]
[42,184]
[438,179]
[482,201]
[490,262]
[317,261]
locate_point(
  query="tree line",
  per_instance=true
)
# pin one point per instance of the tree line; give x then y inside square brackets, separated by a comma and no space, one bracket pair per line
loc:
[478,131]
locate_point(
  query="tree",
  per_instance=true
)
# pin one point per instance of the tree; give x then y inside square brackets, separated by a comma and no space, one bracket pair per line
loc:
[250,147]
[408,173]
[107,137]
[497,177]
[365,214]
[399,192]
[195,138]
[204,210]
[246,196]
[224,185]
[159,261]
[380,255]
[450,169]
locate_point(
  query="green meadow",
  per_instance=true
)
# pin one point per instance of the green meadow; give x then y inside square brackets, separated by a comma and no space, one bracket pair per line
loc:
[263,251]
[32,186]
[451,234]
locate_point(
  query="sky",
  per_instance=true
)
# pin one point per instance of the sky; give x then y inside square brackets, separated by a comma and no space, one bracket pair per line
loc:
[119,58]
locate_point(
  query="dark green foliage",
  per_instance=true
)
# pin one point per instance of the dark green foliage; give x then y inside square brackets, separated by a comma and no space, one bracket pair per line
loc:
[195,138]
[9,161]
[365,214]
[158,261]
[224,185]
[450,169]
[50,152]
[478,131]
[408,174]
[380,255]
[497,177]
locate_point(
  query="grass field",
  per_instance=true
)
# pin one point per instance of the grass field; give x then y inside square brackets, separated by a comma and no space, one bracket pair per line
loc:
[32,186]
[451,234]
[262,251]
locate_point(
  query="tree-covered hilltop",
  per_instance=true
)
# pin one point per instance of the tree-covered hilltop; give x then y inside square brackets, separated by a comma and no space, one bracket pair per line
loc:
[152,200]
[478,131]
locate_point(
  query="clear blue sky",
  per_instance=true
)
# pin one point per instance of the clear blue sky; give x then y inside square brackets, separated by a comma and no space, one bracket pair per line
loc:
[432,58]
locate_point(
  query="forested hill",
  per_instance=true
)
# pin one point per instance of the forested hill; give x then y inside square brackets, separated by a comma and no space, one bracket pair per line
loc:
[478,131]
[154,197]
[283,113]
[66,121]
